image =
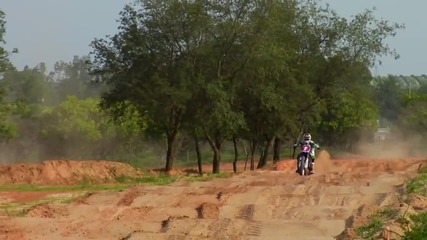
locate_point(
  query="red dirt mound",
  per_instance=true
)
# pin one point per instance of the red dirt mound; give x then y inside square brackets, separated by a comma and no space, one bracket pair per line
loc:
[59,172]
[285,165]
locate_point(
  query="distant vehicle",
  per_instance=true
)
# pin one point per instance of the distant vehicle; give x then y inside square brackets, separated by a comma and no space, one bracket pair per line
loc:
[381,134]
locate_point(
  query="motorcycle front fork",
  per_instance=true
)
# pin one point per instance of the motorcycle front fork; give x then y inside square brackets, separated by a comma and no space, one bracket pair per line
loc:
[310,163]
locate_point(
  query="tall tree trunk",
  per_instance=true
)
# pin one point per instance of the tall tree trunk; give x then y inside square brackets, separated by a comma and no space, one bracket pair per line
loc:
[263,160]
[247,155]
[216,147]
[199,155]
[170,154]
[236,154]
[253,150]
[276,149]
[217,163]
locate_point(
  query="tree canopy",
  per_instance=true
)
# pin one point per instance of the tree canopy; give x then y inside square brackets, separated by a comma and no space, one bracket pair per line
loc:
[254,70]
[7,129]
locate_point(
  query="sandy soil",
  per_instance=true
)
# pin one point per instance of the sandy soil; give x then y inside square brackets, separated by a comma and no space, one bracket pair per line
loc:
[267,204]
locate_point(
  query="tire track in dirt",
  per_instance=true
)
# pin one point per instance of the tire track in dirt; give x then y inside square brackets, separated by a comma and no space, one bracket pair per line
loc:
[221,231]
[247,212]
[253,228]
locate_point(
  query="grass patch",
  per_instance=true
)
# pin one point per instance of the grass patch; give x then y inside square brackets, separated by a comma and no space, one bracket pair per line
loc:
[160,180]
[376,223]
[164,179]
[21,209]
[418,185]
[418,225]
[369,231]
[84,187]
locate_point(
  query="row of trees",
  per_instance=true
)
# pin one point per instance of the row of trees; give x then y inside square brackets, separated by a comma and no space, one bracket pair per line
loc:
[262,71]
[37,86]
[56,115]
[216,72]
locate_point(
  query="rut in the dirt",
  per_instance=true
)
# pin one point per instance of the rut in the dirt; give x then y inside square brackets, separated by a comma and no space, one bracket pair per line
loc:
[129,197]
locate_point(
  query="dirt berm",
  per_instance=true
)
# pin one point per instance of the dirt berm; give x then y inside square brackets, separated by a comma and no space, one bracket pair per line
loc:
[55,172]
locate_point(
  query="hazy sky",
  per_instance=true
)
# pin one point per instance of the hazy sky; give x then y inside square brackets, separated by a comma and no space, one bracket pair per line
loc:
[52,30]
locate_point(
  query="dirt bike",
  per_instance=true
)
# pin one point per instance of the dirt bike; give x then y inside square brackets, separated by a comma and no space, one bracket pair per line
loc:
[304,160]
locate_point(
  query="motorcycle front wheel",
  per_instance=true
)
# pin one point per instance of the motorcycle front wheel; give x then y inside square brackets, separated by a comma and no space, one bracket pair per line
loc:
[302,166]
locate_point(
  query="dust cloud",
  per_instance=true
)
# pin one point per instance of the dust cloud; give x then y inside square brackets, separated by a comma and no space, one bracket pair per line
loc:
[323,163]
[397,146]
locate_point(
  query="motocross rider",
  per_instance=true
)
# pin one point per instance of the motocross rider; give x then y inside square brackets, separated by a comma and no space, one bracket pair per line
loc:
[307,141]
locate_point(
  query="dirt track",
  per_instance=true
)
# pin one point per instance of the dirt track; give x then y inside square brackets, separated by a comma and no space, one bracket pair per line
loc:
[251,205]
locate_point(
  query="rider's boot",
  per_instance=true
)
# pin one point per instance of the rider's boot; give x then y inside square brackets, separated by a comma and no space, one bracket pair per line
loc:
[312,168]
[297,164]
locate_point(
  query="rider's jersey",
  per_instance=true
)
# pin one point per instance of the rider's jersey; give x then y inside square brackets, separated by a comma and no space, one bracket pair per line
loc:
[312,144]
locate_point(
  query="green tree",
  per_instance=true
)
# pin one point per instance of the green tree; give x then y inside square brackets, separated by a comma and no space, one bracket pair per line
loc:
[347,114]
[73,79]
[148,63]
[29,86]
[4,54]
[413,118]
[238,69]
[7,129]
[389,95]
[322,50]
[350,109]
[231,40]
[79,129]
[334,51]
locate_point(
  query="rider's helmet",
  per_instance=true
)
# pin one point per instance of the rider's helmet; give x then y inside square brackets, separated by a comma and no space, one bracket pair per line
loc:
[307,137]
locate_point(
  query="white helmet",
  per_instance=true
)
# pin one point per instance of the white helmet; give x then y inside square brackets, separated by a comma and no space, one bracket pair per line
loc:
[307,137]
